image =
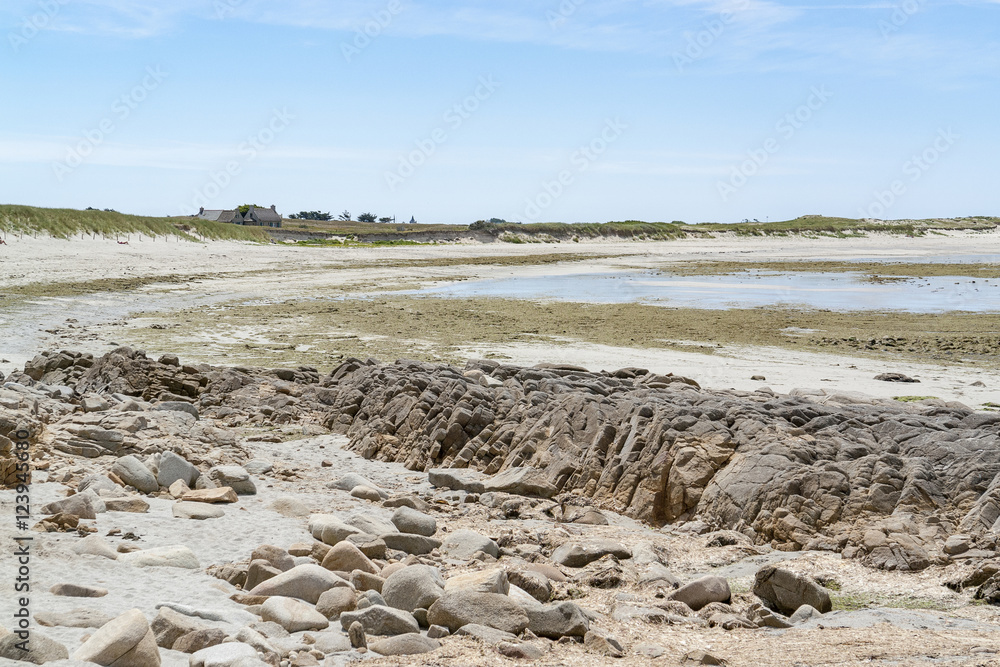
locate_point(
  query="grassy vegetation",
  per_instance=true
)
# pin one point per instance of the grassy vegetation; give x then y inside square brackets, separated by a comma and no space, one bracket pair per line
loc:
[65,223]
[845,227]
[350,243]
[912,399]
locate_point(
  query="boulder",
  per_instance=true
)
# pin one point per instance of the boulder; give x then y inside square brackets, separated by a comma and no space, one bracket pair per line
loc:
[563,620]
[345,557]
[417,545]
[172,556]
[134,472]
[335,601]
[184,509]
[785,591]
[78,591]
[351,481]
[217,495]
[702,592]
[484,581]
[276,556]
[453,610]
[457,479]
[41,649]
[366,493]
[302,582]
[173,468]
[95,545]
[258,572]
[581,554]
[379,620]
[235,478]
[177,406]
[77,618]
[230,654]
[535,584]
[329,529]
[170,625]
[127,641]
[199,639]
[522,481]
[413,587]
[130,504]
[293,615]
[86,505]
[409,520]
[464,544]
[408,644]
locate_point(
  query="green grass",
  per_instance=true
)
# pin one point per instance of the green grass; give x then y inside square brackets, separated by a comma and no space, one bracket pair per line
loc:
[66,223]
[912,399]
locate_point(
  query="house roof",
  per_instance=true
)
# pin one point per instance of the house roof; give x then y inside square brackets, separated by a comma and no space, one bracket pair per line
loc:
[264,214]
[230,216]
[213,215]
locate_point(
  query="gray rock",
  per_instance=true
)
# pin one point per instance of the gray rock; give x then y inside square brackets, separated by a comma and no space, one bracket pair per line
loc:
[133,472]
[464,544]
[345,557]
[130,504]
[484,633]
[563,620]
[329,529]
[332,642]
[356,635]
[184,509]
[378,620]
[581,554]
[292,614]
[178,556]
[535,584]
[95,545]
[258,572]
[458,479]
[803,614]
[417,545]
[258,467]
[97,483]
[453,610]
[439,631]
[170,625]
[78,591]
[234,477]
[276,556]
[957,545]
[603,644]
[785,591]
[523,481]
[127,641]
[176,406]
[41,649]
[413,587]
[409,520]
[702,592]
[77,618]
[230,654]
[173,467]
[351,481]
[199,639]
[371,524]
[335,601]
[85,505]
[408,644]
[303,582]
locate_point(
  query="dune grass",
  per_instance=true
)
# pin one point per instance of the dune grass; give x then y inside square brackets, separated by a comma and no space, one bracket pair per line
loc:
[66,223]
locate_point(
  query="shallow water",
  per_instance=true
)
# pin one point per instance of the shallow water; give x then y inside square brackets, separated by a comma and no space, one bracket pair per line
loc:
[822,291]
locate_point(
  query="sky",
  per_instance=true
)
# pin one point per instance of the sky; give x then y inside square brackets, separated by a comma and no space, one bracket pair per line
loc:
[531,111]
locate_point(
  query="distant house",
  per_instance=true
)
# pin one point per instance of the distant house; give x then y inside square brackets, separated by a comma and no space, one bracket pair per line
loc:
[255,217]
[262,217]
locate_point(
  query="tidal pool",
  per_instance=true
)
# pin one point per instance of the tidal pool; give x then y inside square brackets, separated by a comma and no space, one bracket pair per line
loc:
[818,291]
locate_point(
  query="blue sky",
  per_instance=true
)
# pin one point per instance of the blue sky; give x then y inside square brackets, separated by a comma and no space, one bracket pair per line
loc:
[572,110]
